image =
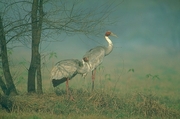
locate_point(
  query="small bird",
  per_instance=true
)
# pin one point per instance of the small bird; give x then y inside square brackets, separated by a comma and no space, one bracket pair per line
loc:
[94,57]
[65,70]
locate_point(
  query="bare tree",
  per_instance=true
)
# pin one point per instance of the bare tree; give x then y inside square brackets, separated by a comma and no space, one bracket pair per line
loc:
[63,16]
[10,89]
[12,27]
[74,17]
[35,65]
[69,17]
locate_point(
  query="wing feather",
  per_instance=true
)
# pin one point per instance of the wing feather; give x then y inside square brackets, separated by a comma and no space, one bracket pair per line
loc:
[65,69]
[95,56]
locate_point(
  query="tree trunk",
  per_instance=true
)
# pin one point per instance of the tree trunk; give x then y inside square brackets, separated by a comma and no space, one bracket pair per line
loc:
[39,76]
[11,90]
[34,49]
[3,86]
[6,103]
[35,56]
[31,76]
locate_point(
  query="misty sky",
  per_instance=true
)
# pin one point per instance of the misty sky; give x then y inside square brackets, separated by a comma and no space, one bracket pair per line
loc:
[148,37]
[140,23]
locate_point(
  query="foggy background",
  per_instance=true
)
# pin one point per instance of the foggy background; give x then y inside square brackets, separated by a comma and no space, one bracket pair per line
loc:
[148,40]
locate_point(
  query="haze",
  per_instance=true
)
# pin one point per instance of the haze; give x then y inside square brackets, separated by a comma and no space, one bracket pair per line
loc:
[148,40]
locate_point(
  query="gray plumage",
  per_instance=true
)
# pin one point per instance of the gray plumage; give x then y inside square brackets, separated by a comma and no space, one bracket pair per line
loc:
[95,56]
[64,69]
[67,69]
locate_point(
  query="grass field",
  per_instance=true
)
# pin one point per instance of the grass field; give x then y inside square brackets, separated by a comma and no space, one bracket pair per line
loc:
[144,89]
[149,98]
[97,104]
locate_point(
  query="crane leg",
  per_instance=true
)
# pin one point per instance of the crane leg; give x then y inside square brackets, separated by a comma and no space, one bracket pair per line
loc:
[67,90]
[93,78]
[67,87]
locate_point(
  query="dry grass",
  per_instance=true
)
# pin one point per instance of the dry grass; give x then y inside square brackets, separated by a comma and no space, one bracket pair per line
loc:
[150,106]
[118,94]
[97,104]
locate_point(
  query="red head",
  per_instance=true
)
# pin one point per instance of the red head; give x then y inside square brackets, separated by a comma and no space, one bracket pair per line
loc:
[108,33]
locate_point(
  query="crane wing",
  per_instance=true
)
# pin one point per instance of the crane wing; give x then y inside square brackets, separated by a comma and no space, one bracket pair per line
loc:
[95,56]
[64,69]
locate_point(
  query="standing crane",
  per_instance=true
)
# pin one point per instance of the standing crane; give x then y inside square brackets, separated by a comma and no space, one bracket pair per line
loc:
[94,57]
[65,70]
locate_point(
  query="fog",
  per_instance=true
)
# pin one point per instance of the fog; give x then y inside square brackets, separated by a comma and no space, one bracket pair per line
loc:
[148,40]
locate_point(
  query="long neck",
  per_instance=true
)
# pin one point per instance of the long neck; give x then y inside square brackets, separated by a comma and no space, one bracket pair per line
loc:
[110,45]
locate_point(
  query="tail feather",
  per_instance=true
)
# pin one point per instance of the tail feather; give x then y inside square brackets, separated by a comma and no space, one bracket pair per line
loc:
[56,82]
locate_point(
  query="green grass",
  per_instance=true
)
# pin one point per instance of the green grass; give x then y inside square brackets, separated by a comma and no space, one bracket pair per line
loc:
[116,95]
[96,104]
[139,90]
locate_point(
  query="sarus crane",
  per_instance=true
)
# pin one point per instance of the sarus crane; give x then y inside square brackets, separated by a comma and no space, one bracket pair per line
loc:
[65,70]
[94,57]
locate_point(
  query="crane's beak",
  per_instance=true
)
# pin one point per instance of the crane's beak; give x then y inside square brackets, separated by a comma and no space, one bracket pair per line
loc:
[112,34]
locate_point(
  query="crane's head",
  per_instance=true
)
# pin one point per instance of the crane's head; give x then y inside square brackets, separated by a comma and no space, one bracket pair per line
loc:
[109,33]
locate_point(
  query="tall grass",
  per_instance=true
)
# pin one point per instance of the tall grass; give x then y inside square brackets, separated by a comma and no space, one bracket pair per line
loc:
[134,91]
[99,104]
